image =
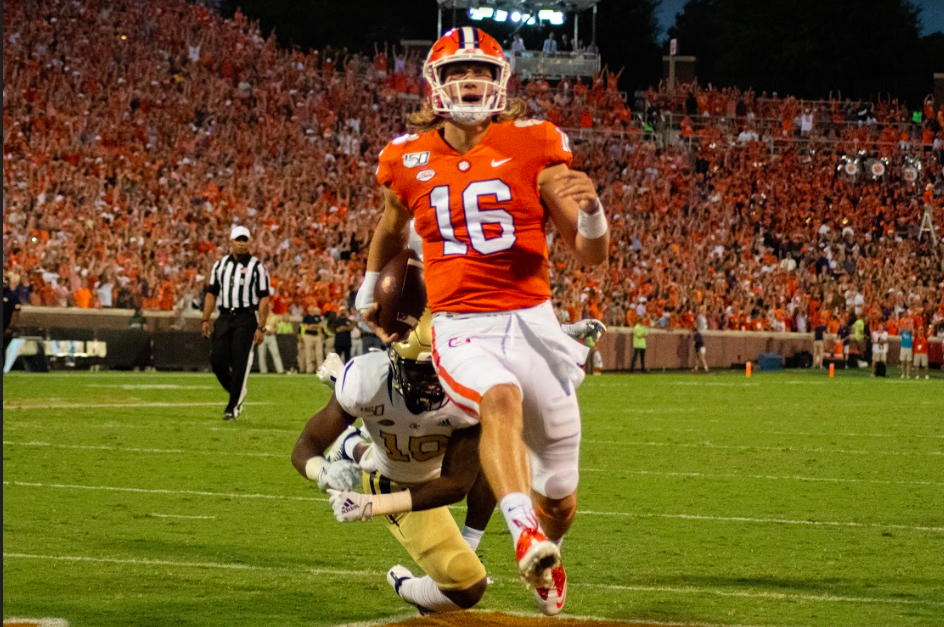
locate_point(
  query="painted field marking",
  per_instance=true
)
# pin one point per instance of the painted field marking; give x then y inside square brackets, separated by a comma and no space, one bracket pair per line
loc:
[820,434]
[532,619]
[227,495]
[633,472]
[163,424]
[176,424]
[149,386]
[770,521]
[173,451]
[156,515]
[776,521]
[118,405]
[824,598]
[780,449]
[217,565]
[704,475]
[120,449]
[36,622]
[716,384]
[780,596]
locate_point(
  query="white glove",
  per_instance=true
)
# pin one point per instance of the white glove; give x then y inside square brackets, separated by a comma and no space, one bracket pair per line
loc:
[330,369]
[341,475]
[350,506]
[583,329]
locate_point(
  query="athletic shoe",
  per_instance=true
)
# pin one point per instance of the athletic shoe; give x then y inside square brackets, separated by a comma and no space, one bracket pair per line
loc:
[536,557]
[229,414]
[339,453]
[396,576]
[551,599]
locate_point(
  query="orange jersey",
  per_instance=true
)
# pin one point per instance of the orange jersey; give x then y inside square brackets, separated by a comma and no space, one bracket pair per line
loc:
[479,214]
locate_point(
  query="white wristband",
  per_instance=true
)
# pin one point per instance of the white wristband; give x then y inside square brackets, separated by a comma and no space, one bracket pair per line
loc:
[394,503]
[314,466]
[365,294]
[592,225]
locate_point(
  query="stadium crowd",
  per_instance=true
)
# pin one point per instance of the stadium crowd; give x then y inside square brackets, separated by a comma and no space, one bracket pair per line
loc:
[135,134]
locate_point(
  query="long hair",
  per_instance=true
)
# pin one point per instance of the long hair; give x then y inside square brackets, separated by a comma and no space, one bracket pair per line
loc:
[427,120]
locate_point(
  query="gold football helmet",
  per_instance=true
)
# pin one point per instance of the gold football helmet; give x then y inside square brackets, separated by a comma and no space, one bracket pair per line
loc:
[414,377]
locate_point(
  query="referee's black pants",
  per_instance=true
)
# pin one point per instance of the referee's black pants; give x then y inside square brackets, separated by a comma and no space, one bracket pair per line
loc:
[231,353]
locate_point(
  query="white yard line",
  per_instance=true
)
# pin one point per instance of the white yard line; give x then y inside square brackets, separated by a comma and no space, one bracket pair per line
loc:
[163,423]
[118,405]
[705,475]
[812,434]
[782,449]
[150,386]
[780,596]
[688,590]
[123,449]
[156,515]
[217,565]
[734,519]
[227,495]
[530,616]
[767,521]
[177,451]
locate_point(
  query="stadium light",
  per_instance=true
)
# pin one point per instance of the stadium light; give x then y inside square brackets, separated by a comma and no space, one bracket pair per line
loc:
[500,16]
[483,13]
[515,16]
[554,17]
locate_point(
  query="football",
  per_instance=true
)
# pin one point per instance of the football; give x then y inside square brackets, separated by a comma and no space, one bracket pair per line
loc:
[400,294]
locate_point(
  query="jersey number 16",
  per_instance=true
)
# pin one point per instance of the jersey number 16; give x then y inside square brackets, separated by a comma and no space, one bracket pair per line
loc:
[475,218]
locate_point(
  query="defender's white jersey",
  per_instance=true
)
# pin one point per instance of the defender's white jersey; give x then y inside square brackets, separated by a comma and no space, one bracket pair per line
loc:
[408,447]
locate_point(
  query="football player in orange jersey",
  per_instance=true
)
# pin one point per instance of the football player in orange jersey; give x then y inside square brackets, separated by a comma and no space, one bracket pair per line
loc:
[480,184]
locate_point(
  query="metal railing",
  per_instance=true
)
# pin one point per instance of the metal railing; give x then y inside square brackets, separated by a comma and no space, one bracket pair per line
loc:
[554,65]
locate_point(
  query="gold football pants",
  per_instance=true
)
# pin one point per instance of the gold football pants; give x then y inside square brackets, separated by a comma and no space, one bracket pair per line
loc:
[432,539]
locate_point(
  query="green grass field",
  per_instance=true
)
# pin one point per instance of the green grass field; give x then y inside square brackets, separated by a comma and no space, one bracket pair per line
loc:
[785,499]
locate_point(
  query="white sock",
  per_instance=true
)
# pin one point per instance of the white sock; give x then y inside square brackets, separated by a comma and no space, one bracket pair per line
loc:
[472,537]
[424,591]
[519,514]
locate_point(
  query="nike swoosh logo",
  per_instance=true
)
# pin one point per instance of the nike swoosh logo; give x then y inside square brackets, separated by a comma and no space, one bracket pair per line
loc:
[498,162]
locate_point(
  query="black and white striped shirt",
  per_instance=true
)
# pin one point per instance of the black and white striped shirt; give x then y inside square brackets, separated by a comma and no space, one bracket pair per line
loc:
[238,284]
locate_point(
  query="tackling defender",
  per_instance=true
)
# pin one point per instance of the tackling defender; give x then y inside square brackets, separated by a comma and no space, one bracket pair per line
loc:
[424,456]
[481,184]
[397,389]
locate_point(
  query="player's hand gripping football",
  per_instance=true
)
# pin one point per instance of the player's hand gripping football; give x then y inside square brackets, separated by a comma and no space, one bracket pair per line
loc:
[350,506]
[370,317]
[579,187]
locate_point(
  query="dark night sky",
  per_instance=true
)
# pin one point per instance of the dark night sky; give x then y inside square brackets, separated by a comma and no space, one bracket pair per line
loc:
[932,14]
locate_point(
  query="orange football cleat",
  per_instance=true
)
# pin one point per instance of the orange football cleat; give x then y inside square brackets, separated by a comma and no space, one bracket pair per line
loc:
[536,556]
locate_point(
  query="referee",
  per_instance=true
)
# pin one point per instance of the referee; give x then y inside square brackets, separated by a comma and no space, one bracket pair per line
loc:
[241,285]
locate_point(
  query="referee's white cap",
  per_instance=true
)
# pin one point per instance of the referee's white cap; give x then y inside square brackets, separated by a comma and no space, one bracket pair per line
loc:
[239,231]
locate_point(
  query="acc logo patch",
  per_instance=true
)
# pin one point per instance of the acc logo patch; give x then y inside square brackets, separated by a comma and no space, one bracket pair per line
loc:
[414,159]
[425,175]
